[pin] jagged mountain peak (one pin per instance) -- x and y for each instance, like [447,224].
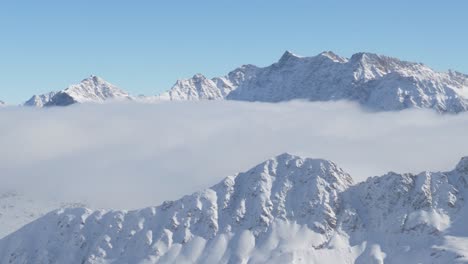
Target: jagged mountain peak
[364,55]
[199,77]
[313,167]
[385,64]
[371,57]
[201,88]
[246,67]
[40,100]
[333,56]
[94,84]
[94,79]
[93,89]
[197,88]
[195,79]
[287,57]
[462,165]
[289,54]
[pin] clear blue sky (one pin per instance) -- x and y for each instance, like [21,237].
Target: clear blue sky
[143,46]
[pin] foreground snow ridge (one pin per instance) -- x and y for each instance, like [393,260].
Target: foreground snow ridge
[287,209]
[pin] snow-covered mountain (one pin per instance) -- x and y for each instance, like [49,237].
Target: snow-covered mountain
[90,90]
[285,210]
[40,100]
[2,103]
[378,82]
[375,81]
[201,88]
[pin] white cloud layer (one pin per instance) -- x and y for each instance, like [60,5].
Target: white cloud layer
[136,155]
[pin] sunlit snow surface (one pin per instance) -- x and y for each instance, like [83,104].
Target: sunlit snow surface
[285,210]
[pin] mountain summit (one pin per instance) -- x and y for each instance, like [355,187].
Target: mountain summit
[90,90]
[285,210]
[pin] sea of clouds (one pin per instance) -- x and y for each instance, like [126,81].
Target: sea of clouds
[128,156]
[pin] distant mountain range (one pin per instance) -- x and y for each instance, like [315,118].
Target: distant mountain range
[285,210]
[377,82]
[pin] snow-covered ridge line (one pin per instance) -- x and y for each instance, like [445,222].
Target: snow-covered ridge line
[284,210]
[377,82]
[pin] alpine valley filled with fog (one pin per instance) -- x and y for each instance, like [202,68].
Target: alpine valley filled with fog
[109,158]
[233,132]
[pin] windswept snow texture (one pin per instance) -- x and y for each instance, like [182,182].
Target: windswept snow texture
[285,210]
[90,90]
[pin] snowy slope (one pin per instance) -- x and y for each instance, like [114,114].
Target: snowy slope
[375,81]
[287,209]
[90,90]
[201,88]
[18,209]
